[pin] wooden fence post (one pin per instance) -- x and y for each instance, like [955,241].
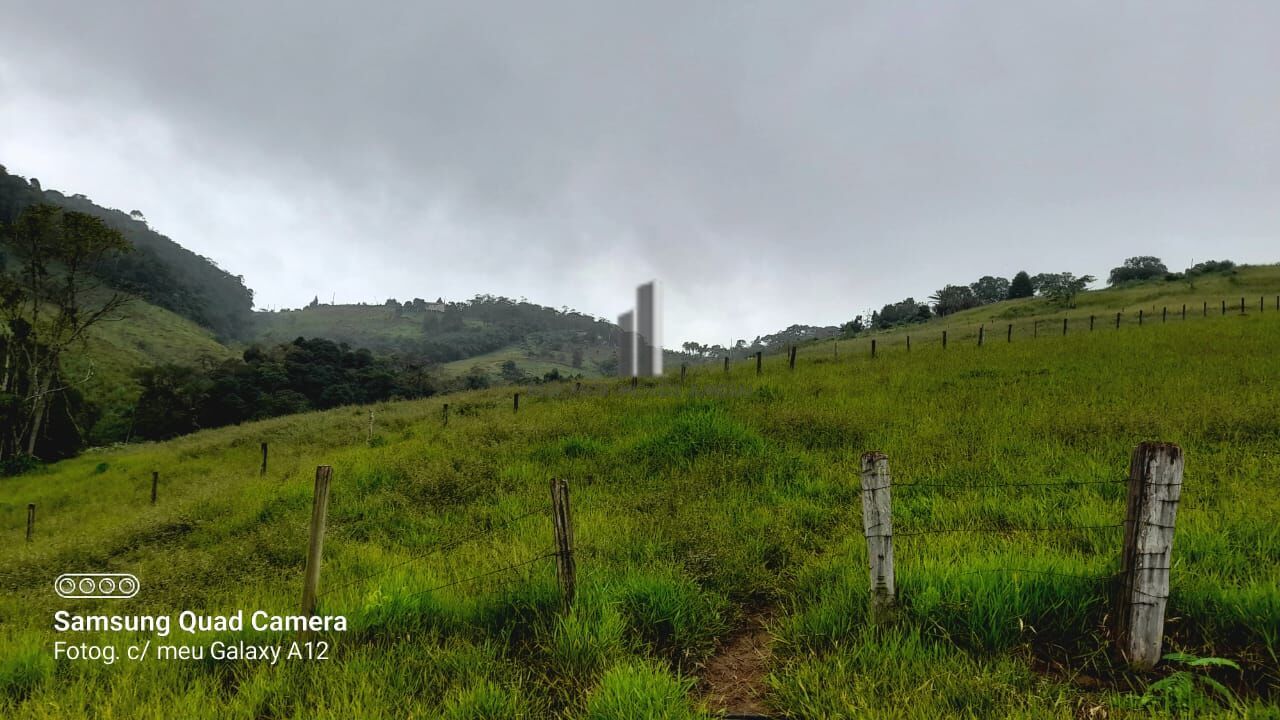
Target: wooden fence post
[31,520]
[1184,311]
[1204,311]
[1224,307]
[445,414]
[562,522]
[371,426]
[1164,314]
[319,511]
[791,361]
[908,343]
[1155,486]
[1117,321]
[1262,303]
[1090,323]
[726,363]
[1139,316]
[1064,326]
[981,332]
[155,482]
[263,471]
[515,402]
[1241,304]
[873,347]
[944,339]
[1008,335]
[759,361]
[877,526]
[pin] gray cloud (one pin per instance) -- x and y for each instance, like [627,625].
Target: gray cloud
[771,162]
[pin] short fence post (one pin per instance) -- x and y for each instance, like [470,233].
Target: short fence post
[908,343]
[1155,486]
[1262,304]
[562,521]
[1117,321]
[1064,326]
[877,526]
[759,362]
[577,387]
[981,332]
[445,414]
[319,511]
[1139,316]
[155,482]
[1090,323]
[1008,334]
[1164,314]
[1224,307]
[515,402]
[791,361]
[726,363]
[263,471]
[371,426]
[1241,304]
[944,339]
[31,520]
[1204,311]
[873,347]
[1184,311]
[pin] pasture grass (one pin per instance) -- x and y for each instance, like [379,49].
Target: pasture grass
[694,506]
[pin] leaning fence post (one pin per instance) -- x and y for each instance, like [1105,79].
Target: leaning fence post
[31,520]
[263,471]
[1155,485]
[877,526]
[759,361]
[562,522]
[319,510]
[155,481]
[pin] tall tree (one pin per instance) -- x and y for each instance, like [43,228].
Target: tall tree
[990,289]
[50,301]
[1141,267]
[1020,286]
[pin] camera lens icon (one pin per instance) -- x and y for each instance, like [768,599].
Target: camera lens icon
[98,586]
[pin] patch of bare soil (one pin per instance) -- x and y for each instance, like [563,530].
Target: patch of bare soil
[733,680]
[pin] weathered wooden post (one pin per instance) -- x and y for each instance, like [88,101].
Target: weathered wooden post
[1184,311]
[908,343]
[791,360]
[263,471]
[562,522]
[1139,316]
[877,526]
[155,482]
[1008,333]
[759,362]
[31,520]
[1090,323]
[873,347]
[726,363]
[515,402]
[370,426]
[315,546]
[445,414]
[1224,307]
[1064,326]
[981,332]
[1155,486]
[944,339]
[1164,314]
[1262,304]
[1117,321]
[1204,311]
[1241,304]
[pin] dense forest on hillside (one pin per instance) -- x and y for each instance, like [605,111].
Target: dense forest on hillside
[157,270]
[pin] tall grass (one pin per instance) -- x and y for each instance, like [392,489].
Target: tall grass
[694,505]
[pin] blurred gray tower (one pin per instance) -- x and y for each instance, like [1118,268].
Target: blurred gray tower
[649,329]
[627,344]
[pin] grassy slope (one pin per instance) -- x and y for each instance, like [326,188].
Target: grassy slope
[692,507]
[148,335]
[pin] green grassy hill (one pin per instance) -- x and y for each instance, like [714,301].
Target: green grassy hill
[147,335]
[699,509]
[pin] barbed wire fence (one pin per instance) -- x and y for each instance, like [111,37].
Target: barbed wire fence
[1154,490]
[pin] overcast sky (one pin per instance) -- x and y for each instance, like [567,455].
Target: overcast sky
[771,163]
